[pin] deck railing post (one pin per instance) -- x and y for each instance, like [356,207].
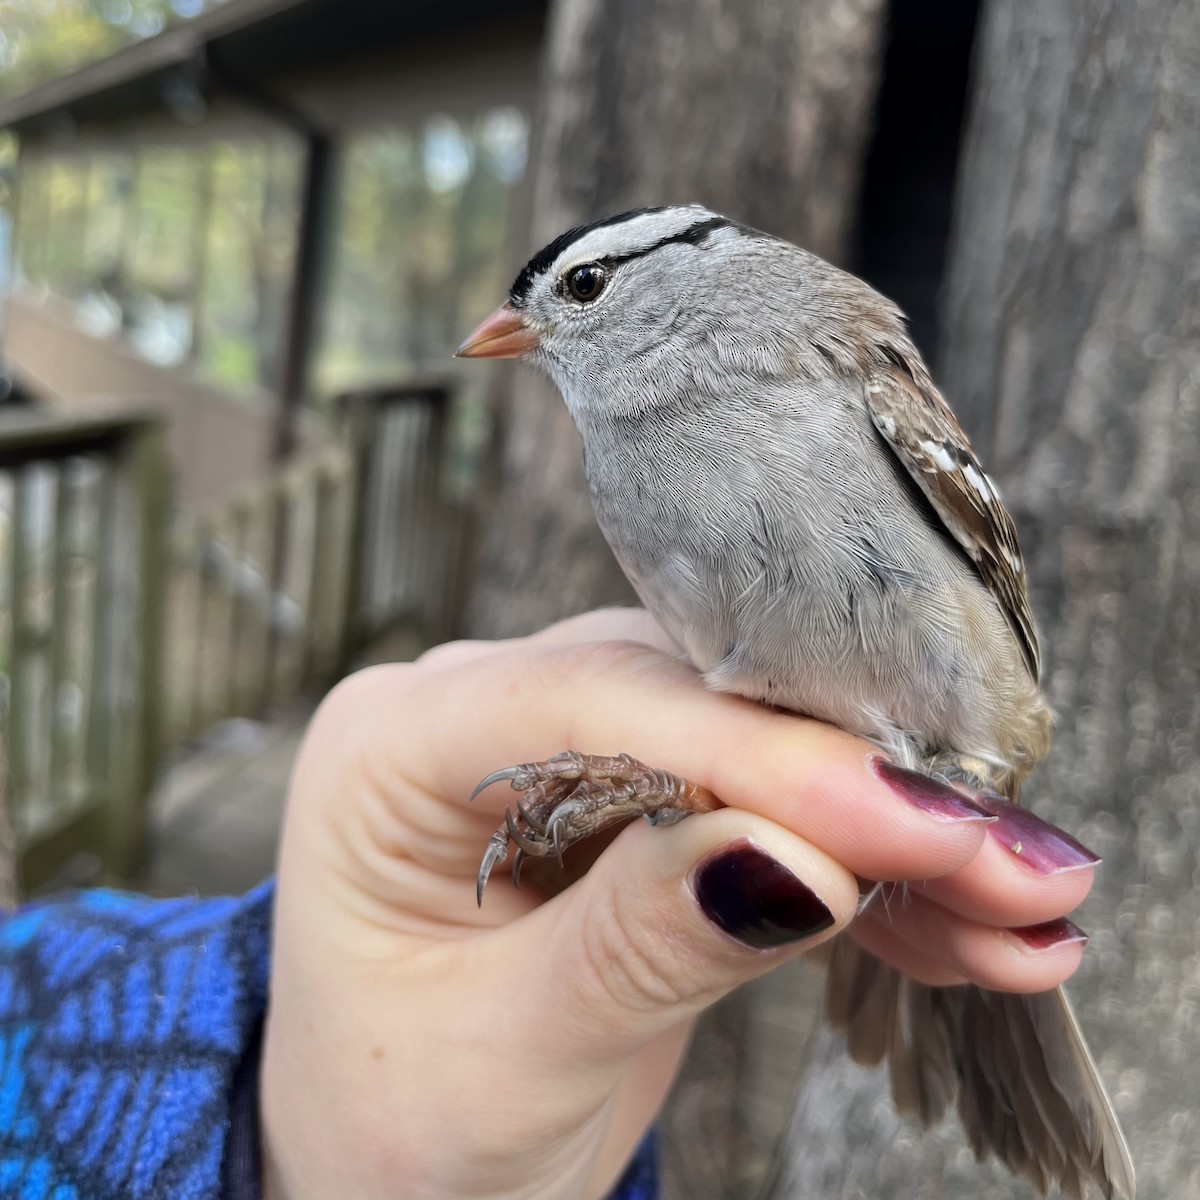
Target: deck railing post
[359,425]
[87,561]
[145,467]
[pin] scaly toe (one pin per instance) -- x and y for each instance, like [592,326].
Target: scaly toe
[531,818]
[532,848]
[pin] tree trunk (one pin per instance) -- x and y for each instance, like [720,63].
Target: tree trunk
[1072,352]
[759,111]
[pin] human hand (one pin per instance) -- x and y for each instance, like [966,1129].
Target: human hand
[419,1046]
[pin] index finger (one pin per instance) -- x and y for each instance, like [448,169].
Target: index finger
[530,701]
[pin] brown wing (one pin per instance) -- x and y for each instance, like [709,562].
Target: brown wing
[918,425]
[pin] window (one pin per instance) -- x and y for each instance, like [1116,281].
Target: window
[7,159]
[184,253]
[250,246]
[420,244]
[187,252]
[162,258]
[52,213]
[106,232]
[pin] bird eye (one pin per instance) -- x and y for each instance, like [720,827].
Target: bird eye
[587,282]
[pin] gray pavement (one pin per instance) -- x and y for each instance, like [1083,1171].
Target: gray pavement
[216,815]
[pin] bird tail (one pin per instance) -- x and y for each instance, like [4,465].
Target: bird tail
[1026,1087]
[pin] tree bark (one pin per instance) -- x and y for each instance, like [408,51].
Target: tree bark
[759,111]
[1072,352]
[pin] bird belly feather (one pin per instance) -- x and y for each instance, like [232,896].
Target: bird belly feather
[813,598]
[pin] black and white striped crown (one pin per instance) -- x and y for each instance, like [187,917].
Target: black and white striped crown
[618,238]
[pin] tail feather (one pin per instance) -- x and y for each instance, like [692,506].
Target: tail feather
[1026,1087]
[921,1053]
[861,995]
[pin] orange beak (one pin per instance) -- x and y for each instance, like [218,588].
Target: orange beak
[503,335]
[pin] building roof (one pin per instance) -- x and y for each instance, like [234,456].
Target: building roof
[241,40]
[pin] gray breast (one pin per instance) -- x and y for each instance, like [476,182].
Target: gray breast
[782,552]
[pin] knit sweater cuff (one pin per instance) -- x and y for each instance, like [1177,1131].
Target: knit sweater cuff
[122,1023]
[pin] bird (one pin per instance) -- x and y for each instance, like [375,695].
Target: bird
[795,502]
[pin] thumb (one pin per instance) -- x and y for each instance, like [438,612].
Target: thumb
[668,921]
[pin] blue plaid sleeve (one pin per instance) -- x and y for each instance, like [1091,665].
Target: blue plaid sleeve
[640,1181]
[123,1021]
[129,1040]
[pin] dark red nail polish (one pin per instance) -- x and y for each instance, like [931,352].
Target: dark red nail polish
[1051,934]
[929,795]
[1043,848]
[756,899]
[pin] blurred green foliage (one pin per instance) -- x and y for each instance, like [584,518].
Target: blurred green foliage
[420,251]
[41,39]
[186,251]
[183,252]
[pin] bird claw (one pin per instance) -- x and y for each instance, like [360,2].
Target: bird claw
[496,852]
[556,836]
[495,777]
[570,796]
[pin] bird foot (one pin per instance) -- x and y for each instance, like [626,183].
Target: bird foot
[571,796]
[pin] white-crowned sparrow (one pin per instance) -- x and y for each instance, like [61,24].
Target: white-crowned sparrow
[797,505]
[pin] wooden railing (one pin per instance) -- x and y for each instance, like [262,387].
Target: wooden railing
[409,532]
[83,504]
[128,628]
[257,594]
[278,591]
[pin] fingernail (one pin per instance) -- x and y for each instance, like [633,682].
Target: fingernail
[756,899]
[929,795]
[1051,934]
[1043,848]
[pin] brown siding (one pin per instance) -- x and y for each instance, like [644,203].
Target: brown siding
[217,441]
